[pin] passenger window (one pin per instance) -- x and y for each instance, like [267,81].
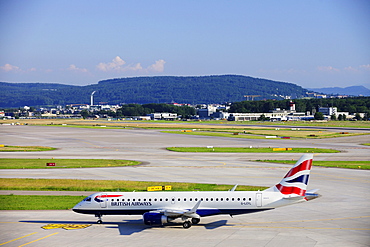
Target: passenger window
[211,199]
[138,200]
[221,199]
[150,199]
[232,199]
[155,199]
[243,199]
[166,199]
[179,199]
[184,199]
[133,200]
[144,199]
[227,199]
[191,199]
[238,199]
[128,200]
[160,199]
[250,199]
[207,199]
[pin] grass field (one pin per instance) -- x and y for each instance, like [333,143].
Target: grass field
[62,163]
[6,148]
[262,133]
[23,202]
[362,165]
[182,124]
[250,150]
[107,185]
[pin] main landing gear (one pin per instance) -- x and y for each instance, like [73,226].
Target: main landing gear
[187,224]
[99,221]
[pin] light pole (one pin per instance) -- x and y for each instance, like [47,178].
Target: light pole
[92,99]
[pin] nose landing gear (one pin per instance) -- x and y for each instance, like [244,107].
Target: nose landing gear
[99,221]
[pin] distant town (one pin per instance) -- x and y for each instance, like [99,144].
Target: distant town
[193,112]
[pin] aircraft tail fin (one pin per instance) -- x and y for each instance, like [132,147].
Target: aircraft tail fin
[295,181]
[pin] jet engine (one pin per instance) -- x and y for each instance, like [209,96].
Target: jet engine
[155,219]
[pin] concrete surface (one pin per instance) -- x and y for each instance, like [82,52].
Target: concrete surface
[341,217]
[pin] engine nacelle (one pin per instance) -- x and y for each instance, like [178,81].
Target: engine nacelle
[155,219]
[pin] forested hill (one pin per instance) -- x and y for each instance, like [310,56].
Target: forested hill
[160,89]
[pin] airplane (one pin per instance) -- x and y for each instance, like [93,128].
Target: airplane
[159,208]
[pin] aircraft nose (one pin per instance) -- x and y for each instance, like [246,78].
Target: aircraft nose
[77,206]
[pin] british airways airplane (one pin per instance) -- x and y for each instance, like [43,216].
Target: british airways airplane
[159,208]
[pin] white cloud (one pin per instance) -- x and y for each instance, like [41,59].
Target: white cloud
[73,67]
[351,69]
[8,67]
[365,66]
[328,69]
[158,66]
[136,67]
[118,65]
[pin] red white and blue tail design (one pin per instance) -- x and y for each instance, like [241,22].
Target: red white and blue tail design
[296,180]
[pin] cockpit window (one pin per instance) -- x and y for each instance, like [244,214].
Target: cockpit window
[87,199]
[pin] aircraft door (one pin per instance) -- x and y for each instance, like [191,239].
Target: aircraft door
[259,199]
[103,202]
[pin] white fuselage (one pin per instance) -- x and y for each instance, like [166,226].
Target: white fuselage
[212,202]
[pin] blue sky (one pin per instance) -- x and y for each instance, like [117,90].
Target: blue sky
[314,43]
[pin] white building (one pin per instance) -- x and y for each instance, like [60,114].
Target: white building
[328,111]
[163,116]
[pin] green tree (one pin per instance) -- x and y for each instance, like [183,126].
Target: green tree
[319,116]
[333,117]
[263,118]
[357,116]
[85,114]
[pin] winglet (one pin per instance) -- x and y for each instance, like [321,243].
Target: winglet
[196,206]
[234,188]
[192,213]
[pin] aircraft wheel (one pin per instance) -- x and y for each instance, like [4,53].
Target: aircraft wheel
[195,221]
[99,221]
[186,224]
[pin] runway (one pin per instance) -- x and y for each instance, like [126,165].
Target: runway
[341,217]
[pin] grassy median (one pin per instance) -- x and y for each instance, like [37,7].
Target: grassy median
[6,148]
[63,163]
[251,150]
[24,202]
[362,165]
[107,185]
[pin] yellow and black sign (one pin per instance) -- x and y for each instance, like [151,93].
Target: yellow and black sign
[282,149]
[65,226]
[159,188]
